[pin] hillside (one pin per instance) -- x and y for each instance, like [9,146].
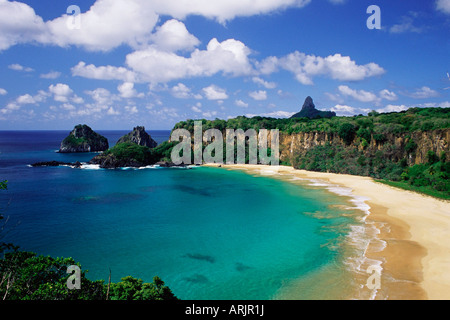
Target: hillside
[410,147]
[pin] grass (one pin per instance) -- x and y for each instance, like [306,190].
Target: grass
[426,190]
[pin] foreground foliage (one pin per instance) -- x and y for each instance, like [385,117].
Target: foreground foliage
[28,276]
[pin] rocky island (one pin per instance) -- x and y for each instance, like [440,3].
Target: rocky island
[83,139]
[135,149]
[140,137]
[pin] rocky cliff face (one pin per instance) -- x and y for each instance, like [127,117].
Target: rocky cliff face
[413,147]
[83,139]
[139,137]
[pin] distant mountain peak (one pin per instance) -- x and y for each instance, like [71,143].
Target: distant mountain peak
[309,111]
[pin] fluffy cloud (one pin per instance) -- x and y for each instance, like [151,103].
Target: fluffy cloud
[61,92]
[19,24]
[18,67]
[304,67]
[422,93]
[3,92]
[173,36]
[275,114]
[103,72]
[443,5]
[265,84]
[213,92]
[241,104]
[223,10]
[393,108]
[258,95]
[388,95]
[127,90]
[229,57]
[51,75]
[181,91]
[111,23]
[360,95]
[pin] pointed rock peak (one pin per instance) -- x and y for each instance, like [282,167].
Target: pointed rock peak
[140,137]
[309,104]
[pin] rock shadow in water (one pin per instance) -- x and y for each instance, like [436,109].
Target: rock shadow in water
[201,257]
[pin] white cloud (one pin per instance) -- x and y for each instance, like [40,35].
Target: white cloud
[51,75]
[61,92]
[265,84]
[258,95]
[127,90]
[344,110]
[213,92]
[18,67]
[443,5]
[393,108]
[108,24]
[3,92]
[131,109]
[209,114]
[275,114]
[173,36]
[18,24]
[423,93]
[360,95]
[229,57]
[406,25]
[103,72]
[304,67]
[181,91]
[388,95]
[112,112]
[197,108]
[241,104]
[224,10]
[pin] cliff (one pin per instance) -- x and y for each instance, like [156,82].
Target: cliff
[414,147]
[83,139]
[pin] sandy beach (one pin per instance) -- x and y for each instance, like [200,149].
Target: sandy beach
[414,228]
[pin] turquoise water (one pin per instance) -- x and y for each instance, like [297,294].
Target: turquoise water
[209,233]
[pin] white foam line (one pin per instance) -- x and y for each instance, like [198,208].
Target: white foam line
[358,234]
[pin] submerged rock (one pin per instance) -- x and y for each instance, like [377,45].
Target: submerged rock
[83,139]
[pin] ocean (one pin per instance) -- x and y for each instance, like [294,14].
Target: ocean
[209,233]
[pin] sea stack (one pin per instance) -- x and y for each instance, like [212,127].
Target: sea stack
[309,111]
[83,139]
[139,137]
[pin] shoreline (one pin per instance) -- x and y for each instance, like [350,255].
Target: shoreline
[413,228]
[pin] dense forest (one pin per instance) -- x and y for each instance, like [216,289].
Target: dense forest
[408,149]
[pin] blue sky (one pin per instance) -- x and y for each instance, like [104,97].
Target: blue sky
[122,63]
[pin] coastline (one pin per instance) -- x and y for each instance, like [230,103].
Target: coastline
[412,228]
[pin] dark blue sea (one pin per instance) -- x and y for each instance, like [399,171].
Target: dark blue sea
[209,233]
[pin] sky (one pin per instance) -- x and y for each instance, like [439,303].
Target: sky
[117,64]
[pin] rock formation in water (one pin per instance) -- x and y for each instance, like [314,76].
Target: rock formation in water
[83,139]
[309,111]
[139,137]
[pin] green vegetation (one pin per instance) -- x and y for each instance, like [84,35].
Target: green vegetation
[27,276]
[145,155]
[414,119]
[74,141]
